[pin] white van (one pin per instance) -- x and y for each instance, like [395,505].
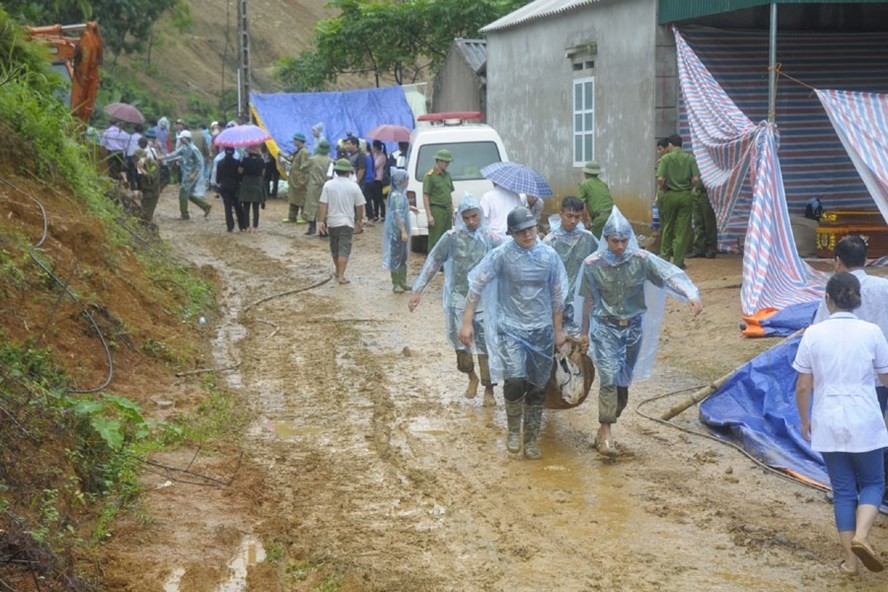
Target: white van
[473,147]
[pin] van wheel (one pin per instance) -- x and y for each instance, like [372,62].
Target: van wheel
[419,244]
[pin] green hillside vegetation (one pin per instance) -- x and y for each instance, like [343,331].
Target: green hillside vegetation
[95,314]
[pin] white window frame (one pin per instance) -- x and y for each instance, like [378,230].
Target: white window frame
[580,111]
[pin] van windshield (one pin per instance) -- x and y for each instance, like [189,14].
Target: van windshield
[468,159]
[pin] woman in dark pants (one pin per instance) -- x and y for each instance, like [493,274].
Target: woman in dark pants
[228,178]
[252,192]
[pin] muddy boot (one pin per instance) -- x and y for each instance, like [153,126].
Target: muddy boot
[514,411]
[312,228]
[402,278]
[533,417]
[396,283]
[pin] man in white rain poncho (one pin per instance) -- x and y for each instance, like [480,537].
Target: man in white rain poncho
[621,314]
[573,243]
[523,286]
[459,250]
[396,233]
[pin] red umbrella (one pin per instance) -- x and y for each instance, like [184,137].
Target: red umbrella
[242,135]
[390,132]
[124,112]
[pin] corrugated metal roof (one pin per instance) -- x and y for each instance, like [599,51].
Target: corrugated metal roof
[669,11]
[535,10]
[474,51]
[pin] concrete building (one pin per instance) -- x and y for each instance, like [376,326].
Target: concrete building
[576,80]
[461,85]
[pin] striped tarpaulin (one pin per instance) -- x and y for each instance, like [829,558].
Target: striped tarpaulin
[730,150]
[861,122]
[813,160]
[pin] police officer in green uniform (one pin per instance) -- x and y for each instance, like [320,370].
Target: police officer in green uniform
[705,228]
[594,193]
[437,188]
[677,174]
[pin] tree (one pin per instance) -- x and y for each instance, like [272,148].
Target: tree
[400,39]
[126,24]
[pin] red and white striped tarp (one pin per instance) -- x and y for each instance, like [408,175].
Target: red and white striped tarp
[730,149]
[861,122]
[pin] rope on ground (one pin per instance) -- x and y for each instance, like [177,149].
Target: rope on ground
[269,323]
[287,293]
[713,438]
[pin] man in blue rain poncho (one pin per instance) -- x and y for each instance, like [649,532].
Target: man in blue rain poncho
[523,286]
[573,243]
[621,314]
[459,250]
[396,233]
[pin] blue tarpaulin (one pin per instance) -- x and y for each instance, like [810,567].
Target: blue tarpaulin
[756,409]
[355,111]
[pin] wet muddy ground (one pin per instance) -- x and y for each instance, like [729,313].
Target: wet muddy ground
[367,469]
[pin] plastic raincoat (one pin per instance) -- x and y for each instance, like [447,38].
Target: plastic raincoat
[627,295]
[319,127]
[394,249]
[458,251]
[193,168]
[520,289]
[573,247]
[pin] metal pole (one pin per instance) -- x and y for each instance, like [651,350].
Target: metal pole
[243,35]
[772,65]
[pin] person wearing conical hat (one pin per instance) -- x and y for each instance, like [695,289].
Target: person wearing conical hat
[437,191]
[620,318]
[595,194]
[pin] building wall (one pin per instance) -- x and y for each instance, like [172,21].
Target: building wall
[529,95]
[457,87]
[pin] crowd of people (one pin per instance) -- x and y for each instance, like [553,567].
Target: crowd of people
[512,297]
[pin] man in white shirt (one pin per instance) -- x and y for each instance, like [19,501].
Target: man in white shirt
[495,207]
[341,214]
[115,140]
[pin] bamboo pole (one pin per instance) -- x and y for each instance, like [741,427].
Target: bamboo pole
[713,386]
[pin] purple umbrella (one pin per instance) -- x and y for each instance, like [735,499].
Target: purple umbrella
[390,132]
[124,112]
[242,135]
[517,177]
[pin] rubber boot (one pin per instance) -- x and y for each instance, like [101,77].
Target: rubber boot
[533,417]
[514,411]
[396,283]
[402,278]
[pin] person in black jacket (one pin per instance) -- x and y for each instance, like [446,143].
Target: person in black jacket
[228,179]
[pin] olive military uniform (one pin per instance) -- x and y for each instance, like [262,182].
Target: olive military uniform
[678,168]
[596,195]
[438,186]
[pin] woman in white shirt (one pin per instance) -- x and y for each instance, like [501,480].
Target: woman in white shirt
[837,359]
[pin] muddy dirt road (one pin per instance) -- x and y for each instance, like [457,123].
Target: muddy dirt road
[369,470]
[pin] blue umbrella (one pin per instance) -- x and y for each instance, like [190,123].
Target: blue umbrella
[517,177]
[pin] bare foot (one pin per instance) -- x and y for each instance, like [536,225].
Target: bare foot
[472,389]
[489,400]
[343,280]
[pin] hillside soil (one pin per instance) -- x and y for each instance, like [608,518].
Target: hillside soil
[367,469]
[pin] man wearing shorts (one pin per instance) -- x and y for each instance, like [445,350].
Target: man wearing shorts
[341,214]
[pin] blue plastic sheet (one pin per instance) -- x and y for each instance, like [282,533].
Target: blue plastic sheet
[787,321]
[756,410]
[355,111]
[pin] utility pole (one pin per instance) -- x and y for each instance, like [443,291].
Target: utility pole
[243,73]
